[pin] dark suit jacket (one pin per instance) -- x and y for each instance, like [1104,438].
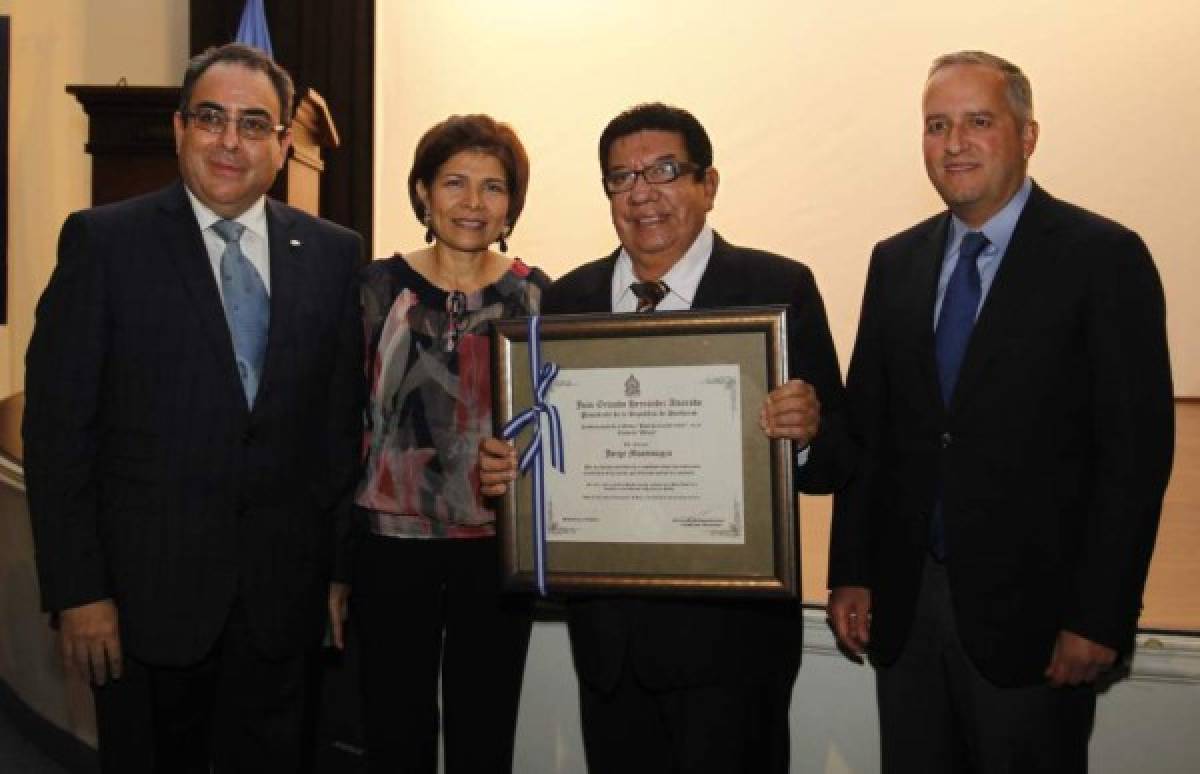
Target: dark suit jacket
[675,643]
[149,480]
[1052,458]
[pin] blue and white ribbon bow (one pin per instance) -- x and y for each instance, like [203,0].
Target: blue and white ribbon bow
[542,376]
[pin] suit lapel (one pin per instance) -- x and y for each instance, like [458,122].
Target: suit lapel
[598,295]
[287,250]
[1018,273]
[184,249]
[927,269]
[719,285]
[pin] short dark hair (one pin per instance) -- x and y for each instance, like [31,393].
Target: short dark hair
[660,117]
[246,56]
[475,132]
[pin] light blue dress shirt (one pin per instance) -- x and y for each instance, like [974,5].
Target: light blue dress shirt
[998,230]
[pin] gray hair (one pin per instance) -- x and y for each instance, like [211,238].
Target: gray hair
[1020,92]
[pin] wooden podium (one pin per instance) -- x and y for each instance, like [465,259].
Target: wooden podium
[132,143]
[312,129]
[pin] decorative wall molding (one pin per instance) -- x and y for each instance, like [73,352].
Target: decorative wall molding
[1158,657]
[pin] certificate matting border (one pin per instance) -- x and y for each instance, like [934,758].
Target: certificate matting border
[754,338]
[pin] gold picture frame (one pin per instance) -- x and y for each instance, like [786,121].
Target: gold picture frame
[751,340]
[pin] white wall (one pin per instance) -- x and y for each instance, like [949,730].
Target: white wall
[1143,724]
[30,661]
[55,43]
[813,108]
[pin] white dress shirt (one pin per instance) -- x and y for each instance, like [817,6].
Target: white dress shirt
[682,279]
[254,242]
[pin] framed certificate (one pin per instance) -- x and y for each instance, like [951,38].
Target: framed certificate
[644,468]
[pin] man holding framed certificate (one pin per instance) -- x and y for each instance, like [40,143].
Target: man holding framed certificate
[676,683]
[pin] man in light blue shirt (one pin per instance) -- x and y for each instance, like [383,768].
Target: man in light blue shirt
[1011,393]
[998,230]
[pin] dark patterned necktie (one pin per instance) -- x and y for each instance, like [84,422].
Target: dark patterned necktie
[649,294]
[247,307]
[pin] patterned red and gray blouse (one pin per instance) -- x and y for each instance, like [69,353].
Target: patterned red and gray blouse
[430,398]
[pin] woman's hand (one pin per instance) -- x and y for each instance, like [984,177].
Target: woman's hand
[339,604]
[497,466]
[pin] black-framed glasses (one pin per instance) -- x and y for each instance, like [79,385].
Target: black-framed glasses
[658,173]
[250,126]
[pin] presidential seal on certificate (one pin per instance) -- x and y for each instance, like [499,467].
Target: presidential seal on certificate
[643,466]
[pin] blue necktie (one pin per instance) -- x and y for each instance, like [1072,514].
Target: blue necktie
[247,307]
[955,321]
[957,318]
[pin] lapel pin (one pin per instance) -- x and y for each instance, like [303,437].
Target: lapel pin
[294,243]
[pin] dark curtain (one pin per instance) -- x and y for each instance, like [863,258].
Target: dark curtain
[328,45]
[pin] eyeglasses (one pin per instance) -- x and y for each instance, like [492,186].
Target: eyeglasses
[658,173]
[250,126]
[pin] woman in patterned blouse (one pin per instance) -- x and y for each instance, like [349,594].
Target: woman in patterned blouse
[425,580]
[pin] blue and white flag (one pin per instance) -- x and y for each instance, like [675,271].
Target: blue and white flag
[252,29]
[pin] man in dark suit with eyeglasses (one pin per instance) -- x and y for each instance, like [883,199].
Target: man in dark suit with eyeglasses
[193,391]
[692,685]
